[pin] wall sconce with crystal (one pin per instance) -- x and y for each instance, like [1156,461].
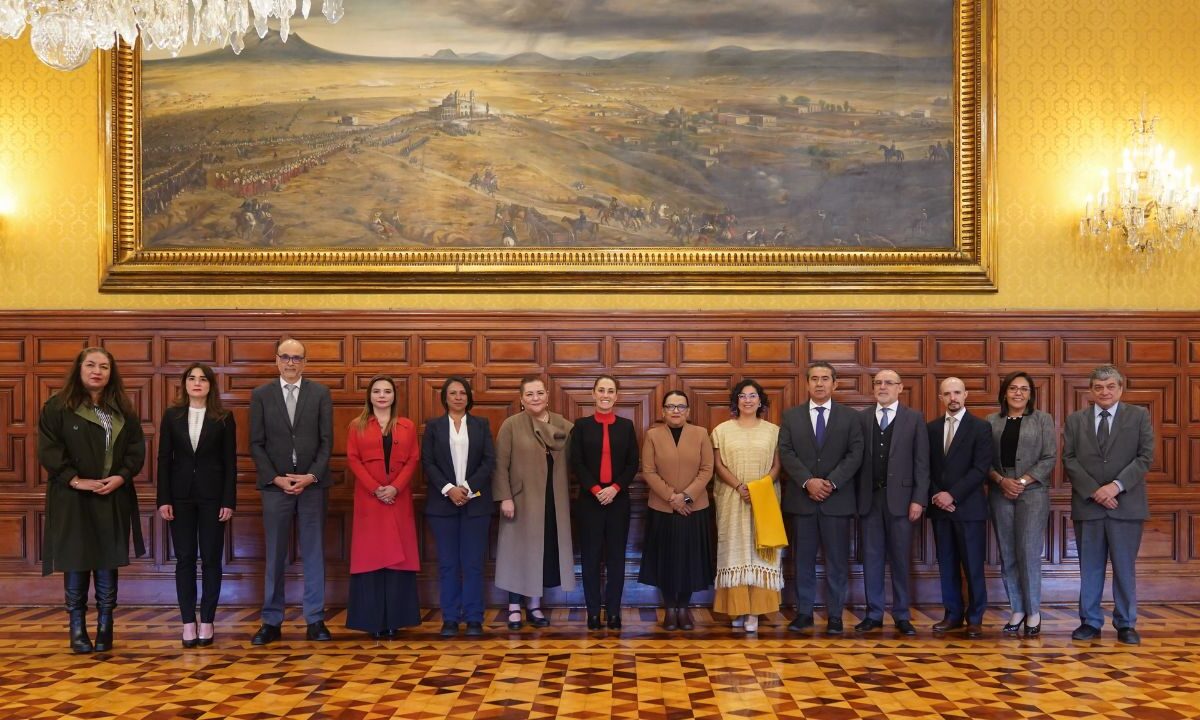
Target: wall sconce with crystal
[1154,206]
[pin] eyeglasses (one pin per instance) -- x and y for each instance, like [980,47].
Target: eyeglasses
[1019,389]
[747,396]
[291,359]
[881,383]
[675,408]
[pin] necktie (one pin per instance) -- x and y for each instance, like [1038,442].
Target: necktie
[1102,431]
[883,421]
[950,420]
[820,429]
[290,401]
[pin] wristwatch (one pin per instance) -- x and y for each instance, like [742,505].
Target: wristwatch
[687,499]
[1022,481]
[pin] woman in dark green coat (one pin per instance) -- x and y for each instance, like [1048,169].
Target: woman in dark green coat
[90,441]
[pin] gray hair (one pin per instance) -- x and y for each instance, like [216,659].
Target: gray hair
[1106,372]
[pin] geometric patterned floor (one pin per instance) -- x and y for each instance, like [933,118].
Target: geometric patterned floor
[565,672]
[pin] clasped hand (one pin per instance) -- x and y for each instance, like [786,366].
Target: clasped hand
[1106,496]
[1011,487]
[679,504]
[100,487]
[294,483]
[386,494]
[819,489]
[943,501]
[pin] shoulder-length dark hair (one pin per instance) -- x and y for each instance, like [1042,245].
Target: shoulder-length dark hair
[73,393]
[764,404]
[368,414]
[1008,380]
[215,410]
[466,386]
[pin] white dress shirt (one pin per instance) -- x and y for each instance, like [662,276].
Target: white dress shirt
[195,424]
[459,446]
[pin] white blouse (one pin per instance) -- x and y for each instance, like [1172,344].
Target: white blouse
[195,424]
[459,445]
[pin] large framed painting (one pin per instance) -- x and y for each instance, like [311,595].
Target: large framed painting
[510,145]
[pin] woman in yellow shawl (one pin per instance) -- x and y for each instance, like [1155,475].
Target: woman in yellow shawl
[748,581]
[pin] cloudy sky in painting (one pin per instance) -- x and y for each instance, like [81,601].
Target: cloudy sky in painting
[608,28]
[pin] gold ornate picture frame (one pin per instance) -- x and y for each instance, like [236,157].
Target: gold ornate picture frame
[740,260]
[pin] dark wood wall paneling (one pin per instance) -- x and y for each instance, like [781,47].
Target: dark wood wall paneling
[651,353]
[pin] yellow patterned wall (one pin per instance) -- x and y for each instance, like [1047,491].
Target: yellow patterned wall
[1069,73]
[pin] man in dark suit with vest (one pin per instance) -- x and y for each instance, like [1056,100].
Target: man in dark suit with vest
[820,448]
[291,438]
[960,451]
[1109,446]
[893,489]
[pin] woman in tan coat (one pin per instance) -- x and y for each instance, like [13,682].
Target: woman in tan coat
[677,464]
[533,548]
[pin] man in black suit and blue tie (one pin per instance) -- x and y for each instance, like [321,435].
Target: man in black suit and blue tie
[820,448]
[291,438]
[960,450]
[1109,446]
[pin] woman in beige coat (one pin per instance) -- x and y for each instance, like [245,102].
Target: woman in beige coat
[533,548]
[677,464]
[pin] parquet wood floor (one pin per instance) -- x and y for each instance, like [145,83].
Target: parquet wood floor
[563,671]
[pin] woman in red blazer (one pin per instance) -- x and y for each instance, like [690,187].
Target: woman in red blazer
[382,452]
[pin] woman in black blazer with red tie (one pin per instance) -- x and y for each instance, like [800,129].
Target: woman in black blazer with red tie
[604,458]
[197,492]
[458,457]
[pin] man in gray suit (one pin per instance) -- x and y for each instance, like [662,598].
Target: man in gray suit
[291,437]
[1109,446]
[893,488]
[820,448]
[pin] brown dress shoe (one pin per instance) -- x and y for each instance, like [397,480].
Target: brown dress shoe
[974,631]
[946,624]
[670,619]
[685,619]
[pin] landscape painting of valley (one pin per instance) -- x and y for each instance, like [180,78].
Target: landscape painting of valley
[515,124]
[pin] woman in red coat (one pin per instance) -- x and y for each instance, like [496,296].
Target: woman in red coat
[382,452]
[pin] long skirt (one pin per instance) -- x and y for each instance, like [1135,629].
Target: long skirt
[383,600]
[679,556]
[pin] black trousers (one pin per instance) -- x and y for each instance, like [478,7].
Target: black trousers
[603,533]
[196,528]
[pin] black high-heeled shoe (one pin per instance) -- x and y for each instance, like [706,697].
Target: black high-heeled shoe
[515,625]
[202,641]
[593,622]
[1014,628]
[1033,630]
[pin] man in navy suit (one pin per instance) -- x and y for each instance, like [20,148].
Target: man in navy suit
[820,448]
[291,438]
[960,451]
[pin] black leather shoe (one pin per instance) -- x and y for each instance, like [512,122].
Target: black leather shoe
[905,627]
[868,625]
[1085,632]
[594,622]
[514,625]
[474,629]
[834,626]
[202,641]
[538,621]
[1033,630]
[947,624]
[189,644]
[318,631]
[684,615]
[802,622]
[80,642]
[975,631]
[449,629]
[1128,636]
[266,634]
[104,631]
[1013,628]
[670,619]
[614,621]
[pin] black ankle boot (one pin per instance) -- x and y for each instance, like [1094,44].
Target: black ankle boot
[106,600]
[75,585]
[80,642]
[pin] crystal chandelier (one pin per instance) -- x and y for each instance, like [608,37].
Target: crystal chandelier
[1155,208]
[63,33]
